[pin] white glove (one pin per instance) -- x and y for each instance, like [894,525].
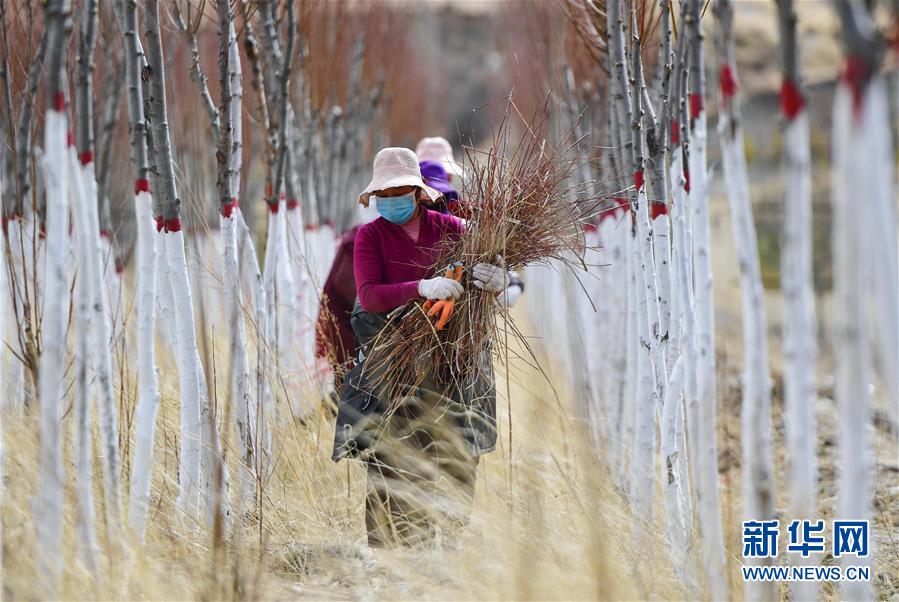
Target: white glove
[439,288]
[509,296]
[491,278]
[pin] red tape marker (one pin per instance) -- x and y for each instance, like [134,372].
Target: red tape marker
[141,185]
[228,208]
[856,75]
[86,158]
[638,180]
[292,204]
[173,224]
[59,101]
[727,81]
[696,105]
[687,180]
[791,101]
[675,131]
[658,208]
[273,208]
[160,222]
[104,233]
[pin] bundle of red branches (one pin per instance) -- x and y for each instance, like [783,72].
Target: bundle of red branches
[524,207]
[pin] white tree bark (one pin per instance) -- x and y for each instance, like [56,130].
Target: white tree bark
[240,373]
[86,535]
[758,502]
[148,388]
[190,472]
[49,505]
[260,415]
[707,448]
[14,396]
[800,348]
[87,224]
[857,158]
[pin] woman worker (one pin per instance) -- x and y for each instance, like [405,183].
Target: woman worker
[422,463]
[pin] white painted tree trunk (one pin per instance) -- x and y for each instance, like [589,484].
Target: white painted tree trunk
[49,503]
[87,227]
[261,412]
[86,535]
[642,471]
[854,176]
[758,502]
[800,348]
[14,395]
[190,473]
[279,291]
[661,246]
[682,339]
[613,231]
[884,251]
[707,448]
[304,293]
[147,384]
[632,347]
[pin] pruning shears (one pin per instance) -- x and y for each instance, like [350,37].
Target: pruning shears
[443,309]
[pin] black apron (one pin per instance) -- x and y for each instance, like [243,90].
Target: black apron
[360,414]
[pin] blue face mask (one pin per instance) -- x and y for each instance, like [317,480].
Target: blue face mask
[397,209]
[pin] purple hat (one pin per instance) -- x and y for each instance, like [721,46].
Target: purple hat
[434,176]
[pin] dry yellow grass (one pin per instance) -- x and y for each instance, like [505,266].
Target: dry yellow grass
[547,524]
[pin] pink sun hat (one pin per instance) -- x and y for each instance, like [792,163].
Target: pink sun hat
[439,149]
[395,167]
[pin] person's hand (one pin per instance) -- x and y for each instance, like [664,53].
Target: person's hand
[439,288]
[491,278]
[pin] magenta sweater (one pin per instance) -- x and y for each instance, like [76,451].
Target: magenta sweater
[388,264]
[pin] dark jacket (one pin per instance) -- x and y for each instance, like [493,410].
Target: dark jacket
[334,338]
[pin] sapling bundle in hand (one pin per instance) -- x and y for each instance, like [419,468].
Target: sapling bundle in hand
[523,210]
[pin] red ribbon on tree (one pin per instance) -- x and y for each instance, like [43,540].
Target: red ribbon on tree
[791,101]
[856,75]
[727,81]
[141,185]
[638,180]
[656,209]
[687,180]
[104,233]
[292,204]
[675,131]
[273,208]
[59,101]
[228,208]
[170,224]
[87,157]
[696,105]
[119,268]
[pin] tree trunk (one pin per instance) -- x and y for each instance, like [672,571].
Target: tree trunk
[49,506]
